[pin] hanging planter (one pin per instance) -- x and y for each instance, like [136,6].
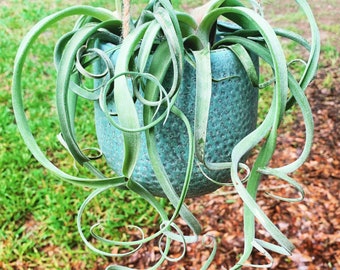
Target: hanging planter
[175,104]
[231,88]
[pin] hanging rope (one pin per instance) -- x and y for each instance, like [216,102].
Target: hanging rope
[126,17]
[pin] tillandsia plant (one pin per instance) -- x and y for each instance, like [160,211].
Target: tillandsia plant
[175,101]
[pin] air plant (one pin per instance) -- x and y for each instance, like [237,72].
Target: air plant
[136,82]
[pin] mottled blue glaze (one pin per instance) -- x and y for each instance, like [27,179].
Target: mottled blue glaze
[233,115]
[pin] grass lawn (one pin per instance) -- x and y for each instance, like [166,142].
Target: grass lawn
[37,210]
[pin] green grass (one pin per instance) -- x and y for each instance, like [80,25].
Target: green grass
[37,210]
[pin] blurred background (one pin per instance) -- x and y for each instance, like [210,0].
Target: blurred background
[37,210]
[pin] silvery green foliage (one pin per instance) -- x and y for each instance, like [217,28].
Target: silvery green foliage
[162,39]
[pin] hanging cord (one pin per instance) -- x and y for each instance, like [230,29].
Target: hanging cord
[126,17]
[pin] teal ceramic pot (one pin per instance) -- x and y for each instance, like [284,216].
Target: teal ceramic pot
[233,115]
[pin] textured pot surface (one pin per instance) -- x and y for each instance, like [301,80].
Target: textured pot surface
[233,115]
